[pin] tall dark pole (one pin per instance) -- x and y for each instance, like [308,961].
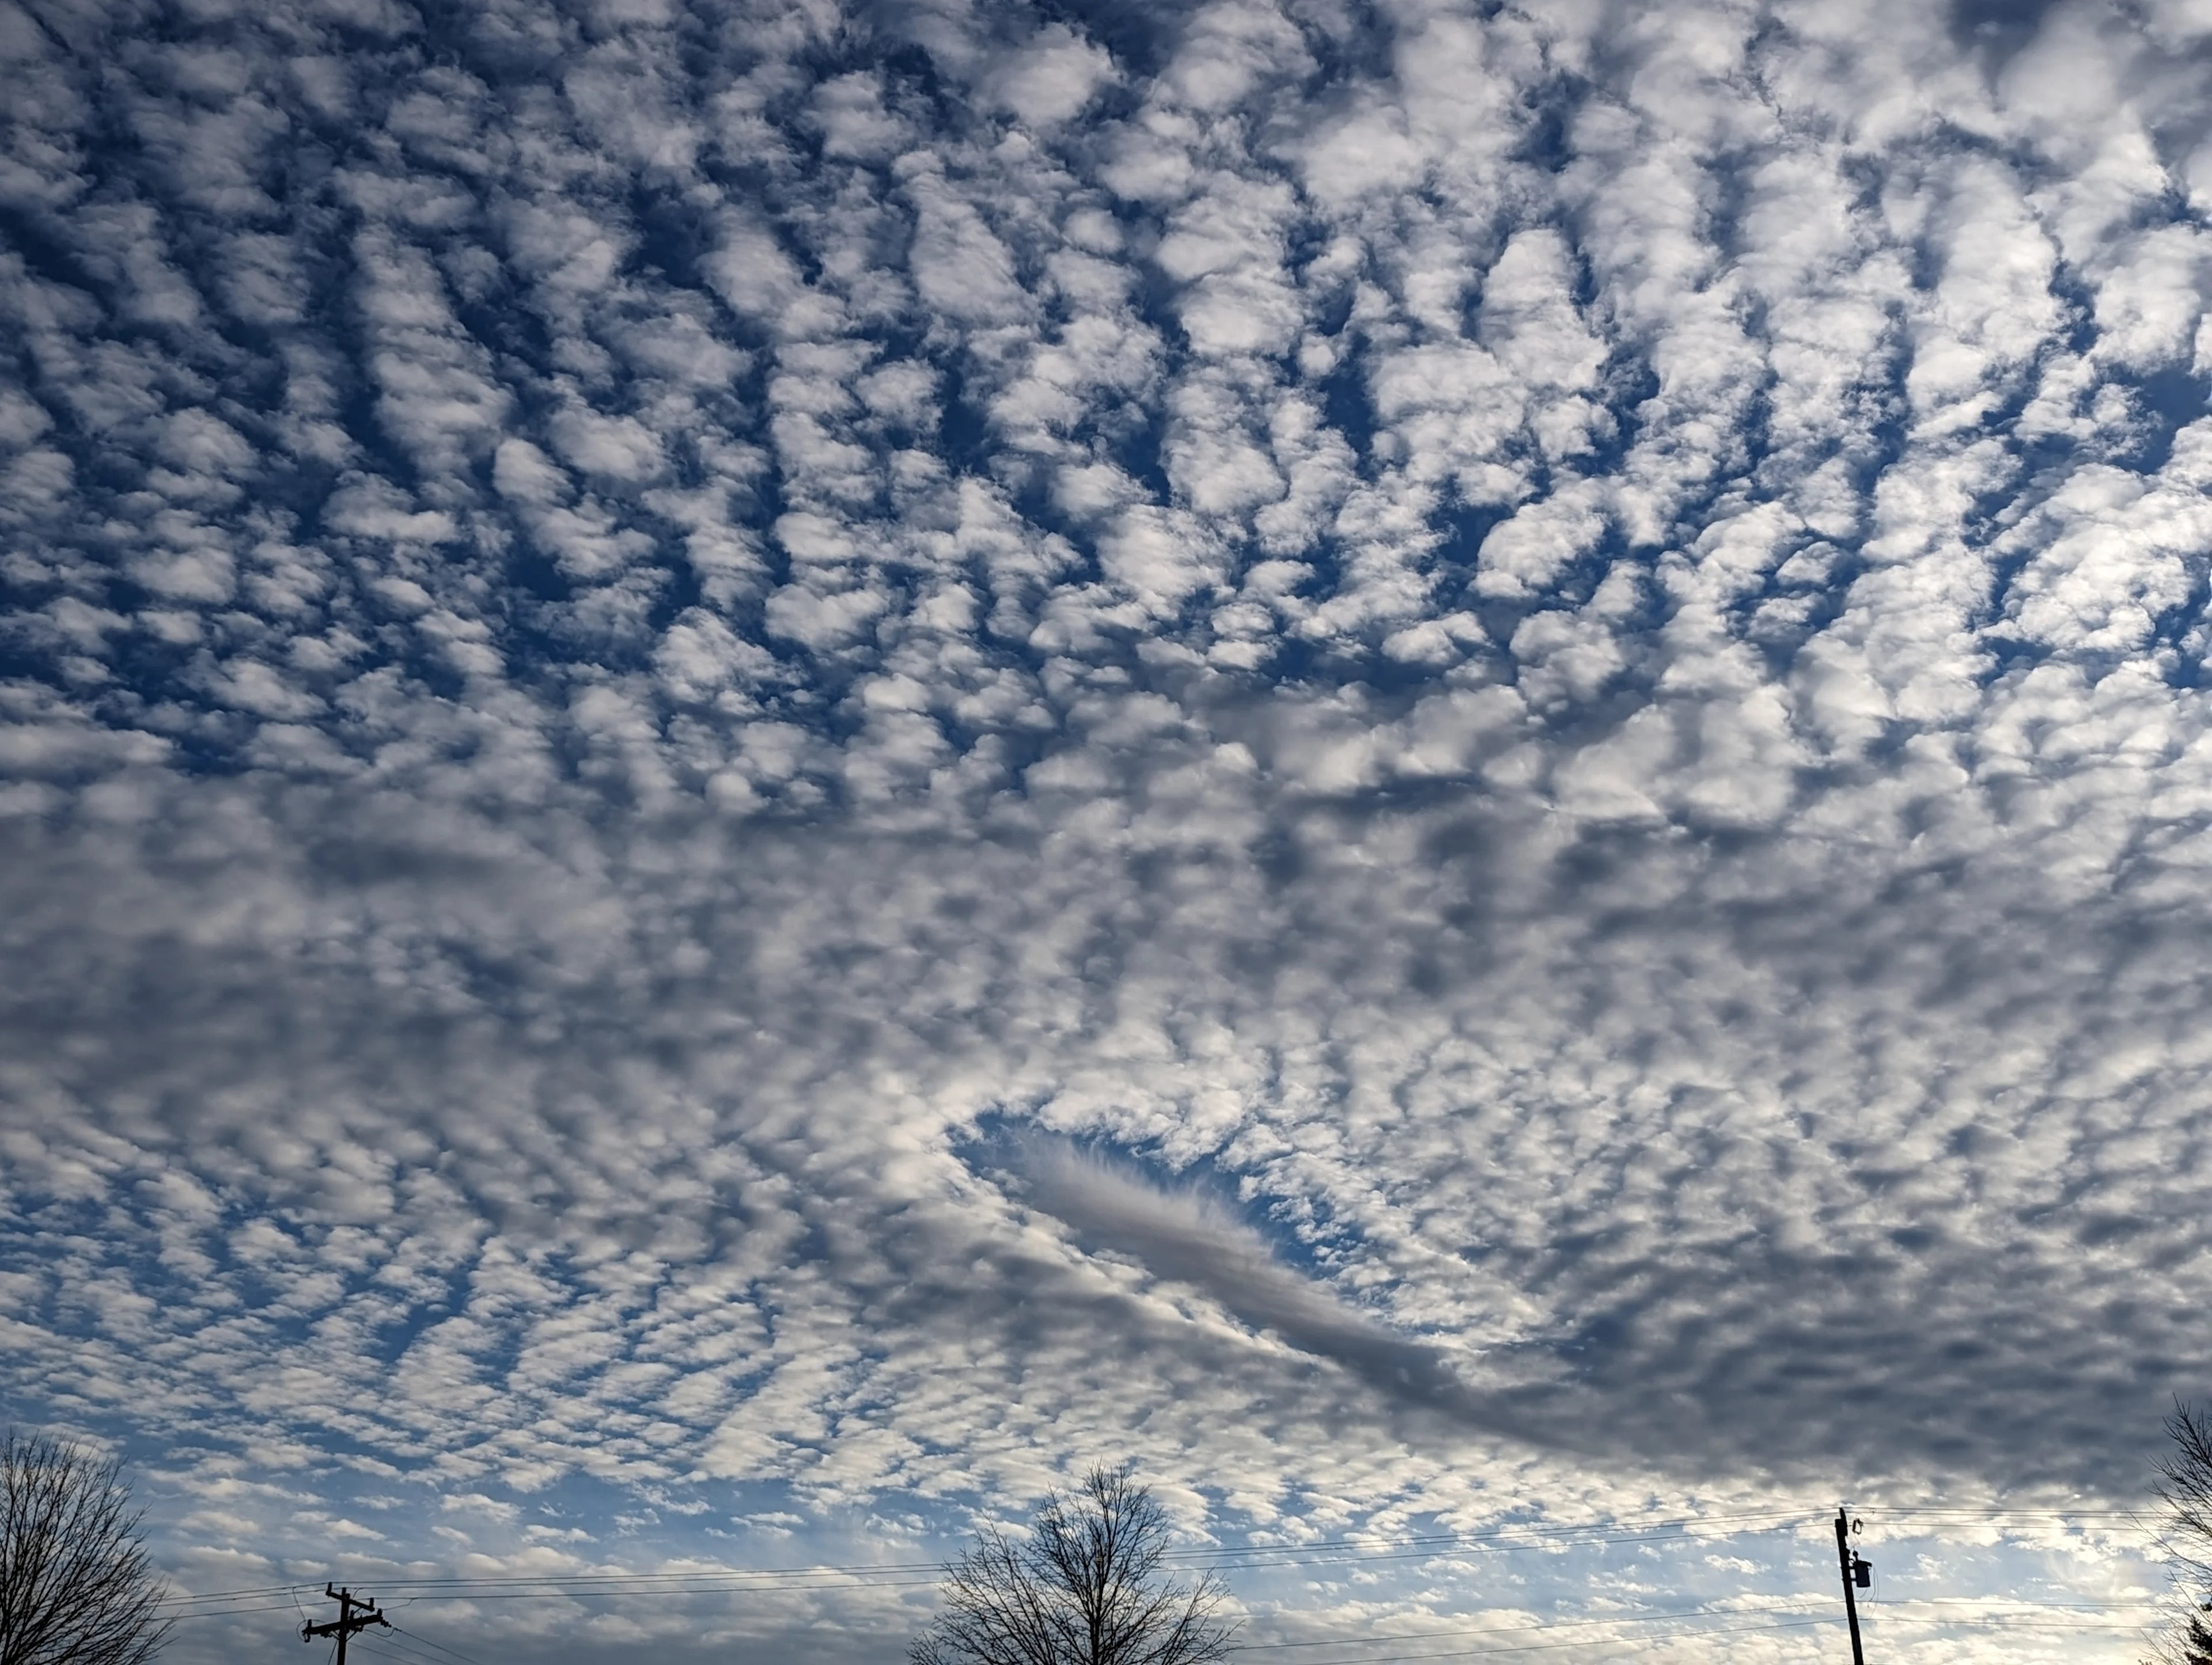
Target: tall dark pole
[345,1624]
[1843,1559]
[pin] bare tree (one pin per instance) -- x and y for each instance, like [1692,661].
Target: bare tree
[2191,1642]
[1084,1588]
[2184,1487]
[75,1585]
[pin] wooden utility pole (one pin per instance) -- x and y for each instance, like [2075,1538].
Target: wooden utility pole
[345,1624]
[1857,1576]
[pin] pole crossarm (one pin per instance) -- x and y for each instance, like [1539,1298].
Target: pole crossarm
[347,1622]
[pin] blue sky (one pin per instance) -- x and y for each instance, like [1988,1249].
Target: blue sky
[767,769]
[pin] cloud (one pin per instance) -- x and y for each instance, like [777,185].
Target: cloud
[1563,651]
[1051,80]
[1179,1237]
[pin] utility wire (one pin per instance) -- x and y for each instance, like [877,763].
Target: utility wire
[2083,1623]
[1598,1641]
[1774,1518]
[1357,1548]
[407,1650]
[1699,1613]
[450,1653]
[1519,1629]
[379,1649]
[1366,1547]
[228,1613]
[1690,1634]
[929,1572]
[1508,1535]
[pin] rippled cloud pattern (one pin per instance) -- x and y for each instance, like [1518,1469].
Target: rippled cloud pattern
[1416,756]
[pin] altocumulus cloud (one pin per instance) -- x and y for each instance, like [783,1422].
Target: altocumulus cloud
[1561,644]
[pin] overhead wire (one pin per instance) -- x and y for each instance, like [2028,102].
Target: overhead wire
[386,1648]
[1773,1517]
[1360,1548]
[1891,1608]
[291,1592]
[406,1647]
[392,1637]
[1364,1546]
[1599,1642]
[1516,1630]
[429,1642]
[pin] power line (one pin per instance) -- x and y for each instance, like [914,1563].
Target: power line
[1984,1509]
[631,1594]
[1254,1558]
[1372,1544]
[1352,1549]
[2025,1616]
[1365,1547]
[228,1613]
[292,1590]
[412,1654]
[1504,1629]
[450,1652]
[1994,1622]
[1886,1608]
[1594,1641]
[1471,1653]
[1770,1518]
[1515,1630]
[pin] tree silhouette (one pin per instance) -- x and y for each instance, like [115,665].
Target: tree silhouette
[1084,1588]
[2184,1487]
[2192,1644]
[75,1585]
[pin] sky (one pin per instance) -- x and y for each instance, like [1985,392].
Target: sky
[769,767]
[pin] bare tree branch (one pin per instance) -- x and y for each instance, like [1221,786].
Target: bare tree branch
[2184,1487]
[1083,1589]
[76,1587]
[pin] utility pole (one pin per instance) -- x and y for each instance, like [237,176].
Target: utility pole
[345,1624]
[1858,1574]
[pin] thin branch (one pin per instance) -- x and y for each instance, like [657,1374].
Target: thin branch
[1083,1589]
[76,1587]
